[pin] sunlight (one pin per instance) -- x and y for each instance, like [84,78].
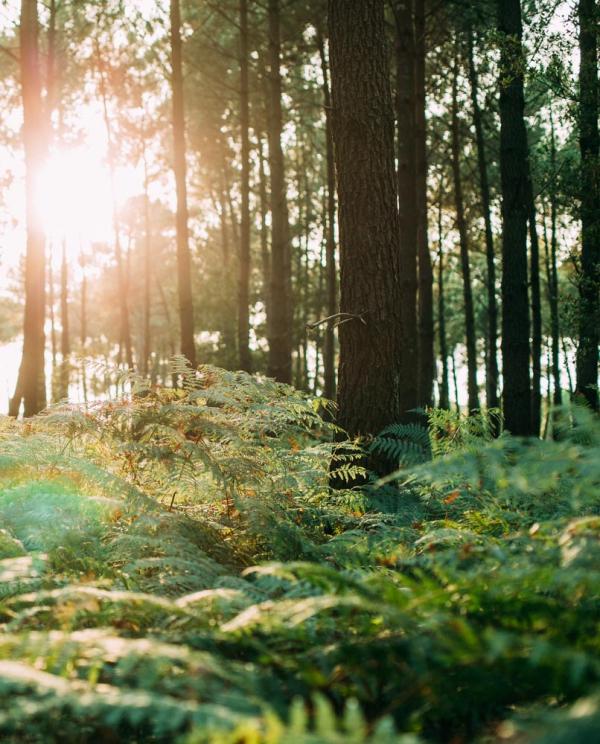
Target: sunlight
[75,197]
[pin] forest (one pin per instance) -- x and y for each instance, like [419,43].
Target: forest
[299,410]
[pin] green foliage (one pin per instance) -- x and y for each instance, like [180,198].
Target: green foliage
[174,567]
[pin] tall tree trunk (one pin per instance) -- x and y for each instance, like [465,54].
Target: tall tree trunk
[265,255]
[83,329]
[536,316]
[329,372]
[31,382]
[53,336]
[461,224]
[426,331]
[444,401]
[280,326]
[124,320]
[245,360]
[407,190]
[553,274]
[374,375]
[147,337]
[514,178]
[184,259]
[492,313]
[65,336]
[589,278]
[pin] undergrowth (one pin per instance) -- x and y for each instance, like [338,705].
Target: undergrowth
[175,568]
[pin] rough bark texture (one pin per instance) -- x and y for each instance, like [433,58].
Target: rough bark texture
[589,279]
[244,359]
[329,372]
[491,377]
[514,178]
[407,191]
[373,374]
[184,259]
[31,382]
[465,263]
[280,325]
[425,308]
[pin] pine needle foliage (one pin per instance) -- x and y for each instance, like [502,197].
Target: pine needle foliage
[175,568]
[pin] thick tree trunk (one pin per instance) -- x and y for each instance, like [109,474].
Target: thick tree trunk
[280,325]
[589,278]
[31,383]
[461,224]
[426,331]
[374,375]
[184,259]
[329,372]
[407,190]
[245,361]
[492,314]
[514,177]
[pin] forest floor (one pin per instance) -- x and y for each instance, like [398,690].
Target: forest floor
[174,568]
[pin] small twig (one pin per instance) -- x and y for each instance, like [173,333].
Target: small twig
[344,318]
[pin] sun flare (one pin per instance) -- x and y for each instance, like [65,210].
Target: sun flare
[75,197]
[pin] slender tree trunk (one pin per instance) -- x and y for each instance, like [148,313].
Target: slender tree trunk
[53,336]
[492,314]
[536,317]
[464,251]
[553,275]
[125,325]
[329,372]
[147,339]
[426,330]
[184,259]
[245,360]
[455,383]
[444,401]
[31,382]
[83,329]
[514,178]
[65,336]
[589,278]
[280,341]
[265,255]
[407,190]
[374,375]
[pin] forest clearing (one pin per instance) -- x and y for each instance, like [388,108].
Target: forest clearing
[299,328]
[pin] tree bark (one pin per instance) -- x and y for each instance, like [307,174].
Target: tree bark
[65,336]
[425,276]
[244,357]
[374,376]
[31,382]
[553,273]
[280,326]
[536,316]
[407,190]
[589,277]
[184,259]
[492,314]
[514,178]
[461,224]
[329,372]
[444,401]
